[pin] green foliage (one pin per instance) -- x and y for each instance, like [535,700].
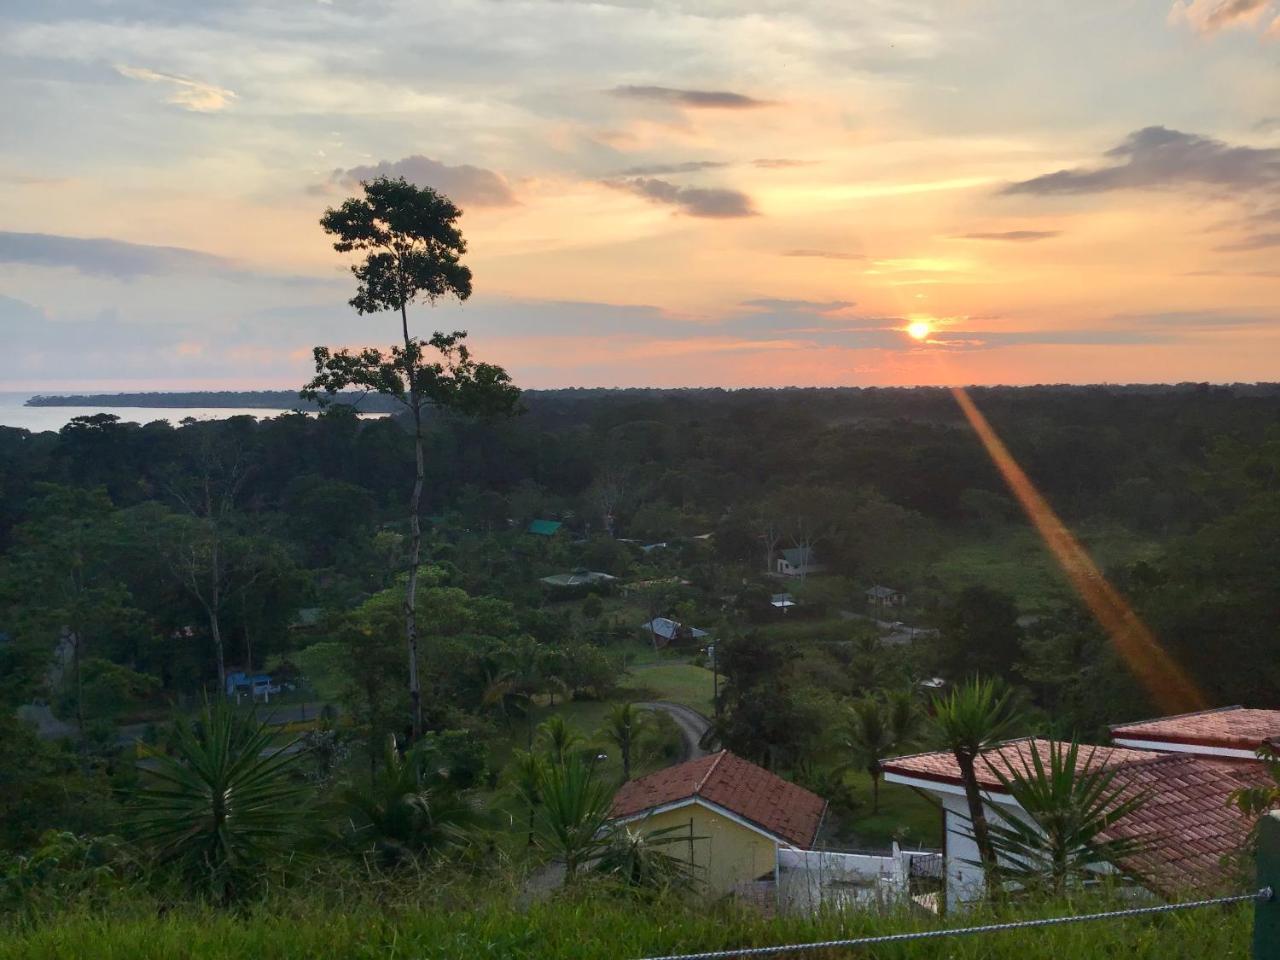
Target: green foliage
[650,860]
[877,728]
[623,729]
[980,634]
[411,808]
[62,868]
[972,717]
[573,812]
[1071,803]
[224,808]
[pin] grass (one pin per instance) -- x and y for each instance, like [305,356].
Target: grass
[904,815]
[438,920]
[682,683]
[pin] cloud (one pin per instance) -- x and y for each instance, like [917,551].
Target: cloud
[105,257]
[1193,319]
[779,163]
[697,99]
[1013,236]
[709,202]
[194,95]
[798,306]
[825,254]
[462,183]
[689,166]
[1157,157]
[1210,16]
[1258,241]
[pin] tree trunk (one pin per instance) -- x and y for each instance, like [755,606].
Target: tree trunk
[75,661]
[626,757]
[875,792]
[977,816]
[415,534]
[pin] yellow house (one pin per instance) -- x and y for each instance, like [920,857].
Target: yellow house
[738,816]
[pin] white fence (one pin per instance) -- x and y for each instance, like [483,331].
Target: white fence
[810,880]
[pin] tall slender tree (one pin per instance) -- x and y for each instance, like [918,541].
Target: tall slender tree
[412,251]
[972,718]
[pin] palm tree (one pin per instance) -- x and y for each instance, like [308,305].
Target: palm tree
[575,809]
[524,782]
[623,726]
[410,807]
[868,740]
[1072,804]
[557,739]
[906,719]
[971,718]
[223,805]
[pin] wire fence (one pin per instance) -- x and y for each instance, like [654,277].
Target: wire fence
[1263,895]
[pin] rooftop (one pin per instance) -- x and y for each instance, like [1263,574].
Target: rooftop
[778,807]
[941,767]
[1236,728]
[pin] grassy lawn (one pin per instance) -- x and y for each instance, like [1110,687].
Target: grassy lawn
[681,683]
[904,815]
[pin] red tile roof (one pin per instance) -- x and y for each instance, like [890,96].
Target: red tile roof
[1232,727]
[1186,821]
[1188,824]
[941,765]
[779,807]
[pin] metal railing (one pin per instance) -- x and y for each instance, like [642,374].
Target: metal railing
[1266,918]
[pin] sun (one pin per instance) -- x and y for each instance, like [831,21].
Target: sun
[919,329]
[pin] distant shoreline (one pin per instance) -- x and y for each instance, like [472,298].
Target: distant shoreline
[213,399]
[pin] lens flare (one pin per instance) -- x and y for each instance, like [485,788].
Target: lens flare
[1166,682]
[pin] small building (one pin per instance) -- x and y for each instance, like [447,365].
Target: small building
[544,528]
[739,817]
[257,686]
[782,601]
[664,631]
[882,596]
[798,562]
[579,578]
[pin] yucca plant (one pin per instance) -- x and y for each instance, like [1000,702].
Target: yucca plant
[973,717]
[223,807]
[646,859]
[1072,803]
[574,811]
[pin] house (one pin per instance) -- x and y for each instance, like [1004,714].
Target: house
[882,596]
[1229,732]
[782,601]
[257,686]
[664,631]
[798,562]
[578,578]
[739,817]
[1186,823]
[544,528]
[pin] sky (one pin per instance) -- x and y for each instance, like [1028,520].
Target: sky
[655,192]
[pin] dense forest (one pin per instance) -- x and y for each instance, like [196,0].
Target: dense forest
[143,567]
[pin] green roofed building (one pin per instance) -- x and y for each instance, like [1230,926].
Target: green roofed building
[545,528]
[579,578]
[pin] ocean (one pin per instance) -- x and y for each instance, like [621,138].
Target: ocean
[38,419]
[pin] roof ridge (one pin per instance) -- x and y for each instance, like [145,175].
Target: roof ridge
[697,790]
[1176,716]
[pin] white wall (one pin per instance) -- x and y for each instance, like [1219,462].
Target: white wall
[813,879]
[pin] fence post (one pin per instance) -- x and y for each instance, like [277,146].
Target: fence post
[1266,913]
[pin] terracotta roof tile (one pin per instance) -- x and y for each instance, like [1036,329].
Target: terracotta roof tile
[779,807]
[941,765]
[1233,727]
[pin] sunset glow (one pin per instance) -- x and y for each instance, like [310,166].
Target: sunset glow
[786,190]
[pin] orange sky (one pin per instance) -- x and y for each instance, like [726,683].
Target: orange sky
[666,193]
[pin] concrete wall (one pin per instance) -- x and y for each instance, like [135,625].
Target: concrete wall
[726,853]
[809,880]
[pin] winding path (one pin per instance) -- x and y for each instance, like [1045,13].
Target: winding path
[693,725]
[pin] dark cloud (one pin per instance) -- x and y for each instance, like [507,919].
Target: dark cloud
[825,254]
[989,339]
[1193,319]
[779,163]
[711,202]
[1258,241]
[1158,157]
[1013,236]
[701,99]
[798,306]
[1228,12]
[463,183]
[688,166]
[105,257]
